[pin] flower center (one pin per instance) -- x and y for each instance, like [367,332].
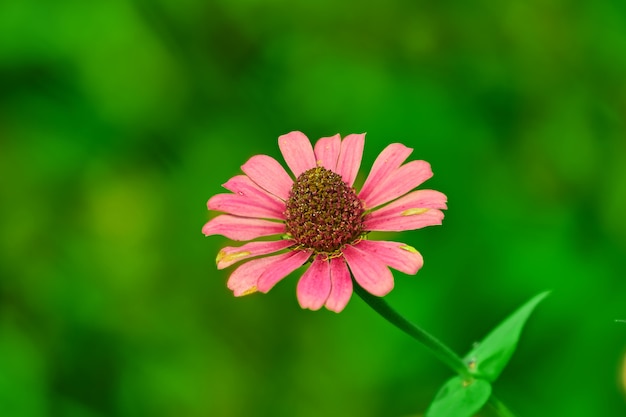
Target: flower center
[323,213]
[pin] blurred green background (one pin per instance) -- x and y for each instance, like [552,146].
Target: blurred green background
[119,119]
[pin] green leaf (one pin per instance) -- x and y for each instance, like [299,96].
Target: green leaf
[459,398]
[488,358]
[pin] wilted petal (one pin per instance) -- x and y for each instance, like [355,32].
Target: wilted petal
[241,228]
[341,285]
[297,151]
[230,255]
[371,274]
[244,279]
[397,255]
[268,174]
[314,286]
[388,161]
[280,270]
[350,157]
[327,152]
[409,220]
[399,182]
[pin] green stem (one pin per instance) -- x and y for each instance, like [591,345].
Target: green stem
[441,351]
[499,406]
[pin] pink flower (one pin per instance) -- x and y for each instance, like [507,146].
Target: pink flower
[321,218]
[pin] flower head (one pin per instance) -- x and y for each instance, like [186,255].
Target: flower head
[318,216]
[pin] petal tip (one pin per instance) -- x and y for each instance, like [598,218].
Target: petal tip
[334,308]
[309,307]
[297,152]
[381,291]
[291,134]
[224,259]
[409,248]
[207,229]
[249,291]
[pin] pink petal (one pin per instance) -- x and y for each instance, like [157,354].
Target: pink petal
[314,286]
[230,255]
[297,151]
[415,220]
[268,174]
[242,206]
[388,161]
[241,228]
[327,152]
[397,255]
[399,182]
[371,274]
[280,270]
[412,203]
[341,285]
[244,187]
[350,157]
[244,279]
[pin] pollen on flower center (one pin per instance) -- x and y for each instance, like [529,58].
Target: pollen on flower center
[323,213]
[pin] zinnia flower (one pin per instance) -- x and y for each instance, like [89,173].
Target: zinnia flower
[319,217]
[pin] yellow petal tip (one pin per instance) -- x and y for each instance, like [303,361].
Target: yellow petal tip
[414,211]
[250,290]
[409,248]
[223,257]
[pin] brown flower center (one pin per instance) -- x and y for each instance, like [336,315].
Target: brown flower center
[323,213]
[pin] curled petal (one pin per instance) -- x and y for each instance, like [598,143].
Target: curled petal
[341,285]
[268,174]
[388,161]
[397,255]
[241,228]
[327,152]
[371,274]
[314,286]
[399,182]
[244,279]
[408,220]
[297,151]
[350,157]
[280,270]
[230,255]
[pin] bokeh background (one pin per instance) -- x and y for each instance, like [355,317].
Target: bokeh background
[119,119]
